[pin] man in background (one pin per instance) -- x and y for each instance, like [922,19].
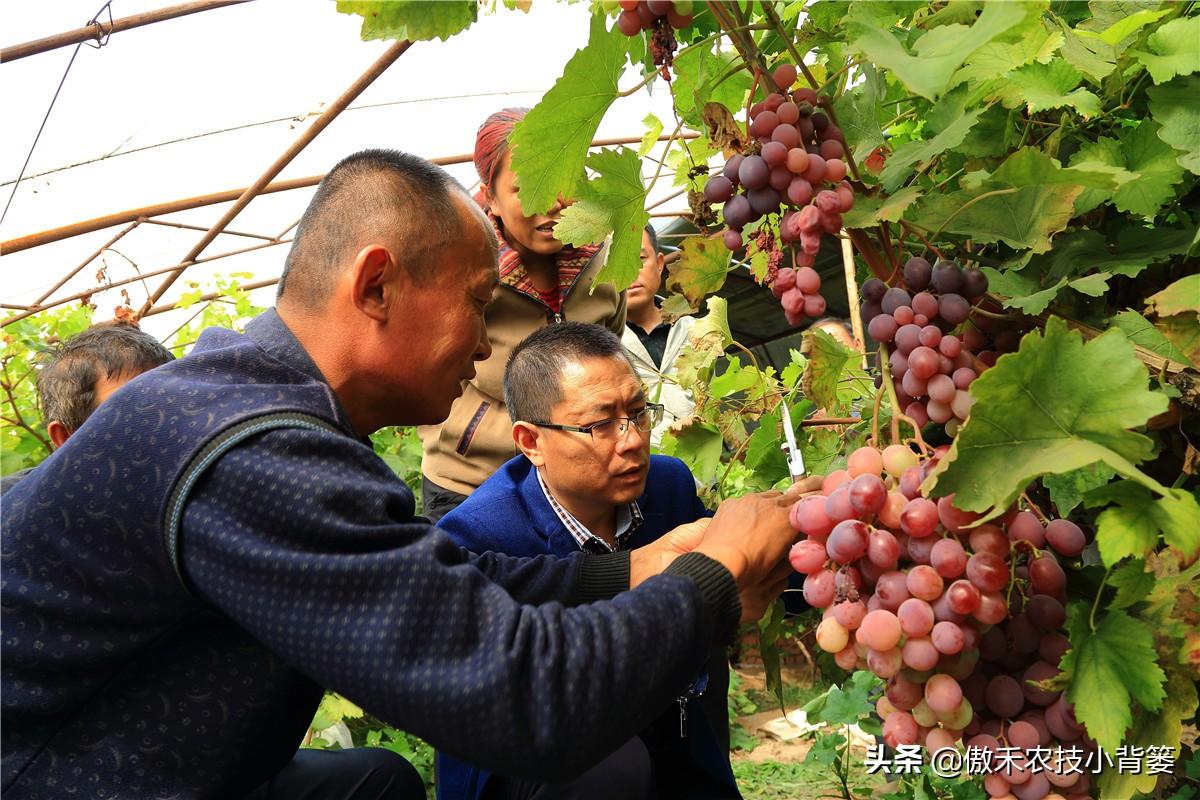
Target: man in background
[653,343]
[83,372]
[585,481]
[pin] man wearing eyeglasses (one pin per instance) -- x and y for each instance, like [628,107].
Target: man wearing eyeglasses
[585,480]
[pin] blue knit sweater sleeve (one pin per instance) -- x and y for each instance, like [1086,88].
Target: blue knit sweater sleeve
[307,540]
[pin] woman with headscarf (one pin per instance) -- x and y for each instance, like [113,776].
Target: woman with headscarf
[542,282]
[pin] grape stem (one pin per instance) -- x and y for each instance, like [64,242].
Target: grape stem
[993,315]
[1096,602]
[885,368]
[1036,510]
[915,232]
[666,150]
[875,420]
[645,80]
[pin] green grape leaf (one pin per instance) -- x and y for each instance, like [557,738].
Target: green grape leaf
[1131,526]
[1144,334]
[614,202]
[845,704]
[701,268]
[1133,583]
[938,53]
[1029,41]
[1172,50]
[1181,296]
[1176,107]
[698,73]
[1125,27]
[1030,166]
[1078,252]
[858,112]
[868,211]
[1162,728]
[699,446]
[762,451]
[1140,151]
[415,20]
[734,379]
[1024,290]
[1109,668]
[1092,56]
[1023,218]
[1041,87]
[900,163]
[550,145]
[1041,411]
[654,129]
[1068,488]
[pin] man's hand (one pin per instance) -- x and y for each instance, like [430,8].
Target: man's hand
[648,561]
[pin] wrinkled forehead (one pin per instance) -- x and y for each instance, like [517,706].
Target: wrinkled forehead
[597,387]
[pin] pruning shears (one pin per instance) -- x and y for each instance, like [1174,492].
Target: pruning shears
[795,461]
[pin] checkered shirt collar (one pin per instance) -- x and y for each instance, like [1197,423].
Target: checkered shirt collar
[629,518]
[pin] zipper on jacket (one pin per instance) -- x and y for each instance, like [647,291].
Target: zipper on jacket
[683,701]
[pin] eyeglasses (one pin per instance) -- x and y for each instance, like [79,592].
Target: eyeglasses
[608,430]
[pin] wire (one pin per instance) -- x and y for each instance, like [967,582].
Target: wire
[54,99]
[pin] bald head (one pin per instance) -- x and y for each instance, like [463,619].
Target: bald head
[369,197]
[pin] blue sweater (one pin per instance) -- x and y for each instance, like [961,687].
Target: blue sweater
[302,567]
[509,514]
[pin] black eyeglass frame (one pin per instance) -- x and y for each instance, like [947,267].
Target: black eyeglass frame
[651,410]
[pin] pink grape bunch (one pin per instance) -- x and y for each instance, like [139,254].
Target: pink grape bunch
[964,621]
[660,18]
[931,344]
[795,169]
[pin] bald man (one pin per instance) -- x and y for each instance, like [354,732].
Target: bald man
[220,542]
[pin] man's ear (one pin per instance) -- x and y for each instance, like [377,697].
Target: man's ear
[372,279]
[529,441]
[58,432]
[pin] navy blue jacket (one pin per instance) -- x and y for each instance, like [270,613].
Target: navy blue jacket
[509,514]
[302,567]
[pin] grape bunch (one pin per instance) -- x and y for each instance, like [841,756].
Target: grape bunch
[659,17]
[795,169]
[931,345]
[962,620]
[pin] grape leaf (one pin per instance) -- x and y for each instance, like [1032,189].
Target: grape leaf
[415,20]
[550,145]
[1110,667]
[1130,526]
[762,451]
[1067,489]
[1078,252]
[1175,107]
[1183,331]
[699,446]
[1172,50]
[734,379]
[1041,87]
[698,72]
[900,163]
[1132,581]
[614,202]
[939,52]
[701,268]
[1022,218]
[1161,728]
[828,359]
[1029,41]
[1181,296]
[1029,166]
[1126,26]
[1140,151]
[870,210]
[858,112]
[654,129]
[1143,333]
[1093,57]
[1041,411]
[707,340]
[845,704]
[1024,291]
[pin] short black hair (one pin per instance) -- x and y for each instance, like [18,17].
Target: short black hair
[533,374]
[66,384]
[653,237]
[365,192]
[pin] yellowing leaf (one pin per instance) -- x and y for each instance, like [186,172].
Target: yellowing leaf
[1181,296]
[550,145]
[701,269]
[416,20]
[612,203]
[1041,411]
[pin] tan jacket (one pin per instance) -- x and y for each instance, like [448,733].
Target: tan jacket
[476,438]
